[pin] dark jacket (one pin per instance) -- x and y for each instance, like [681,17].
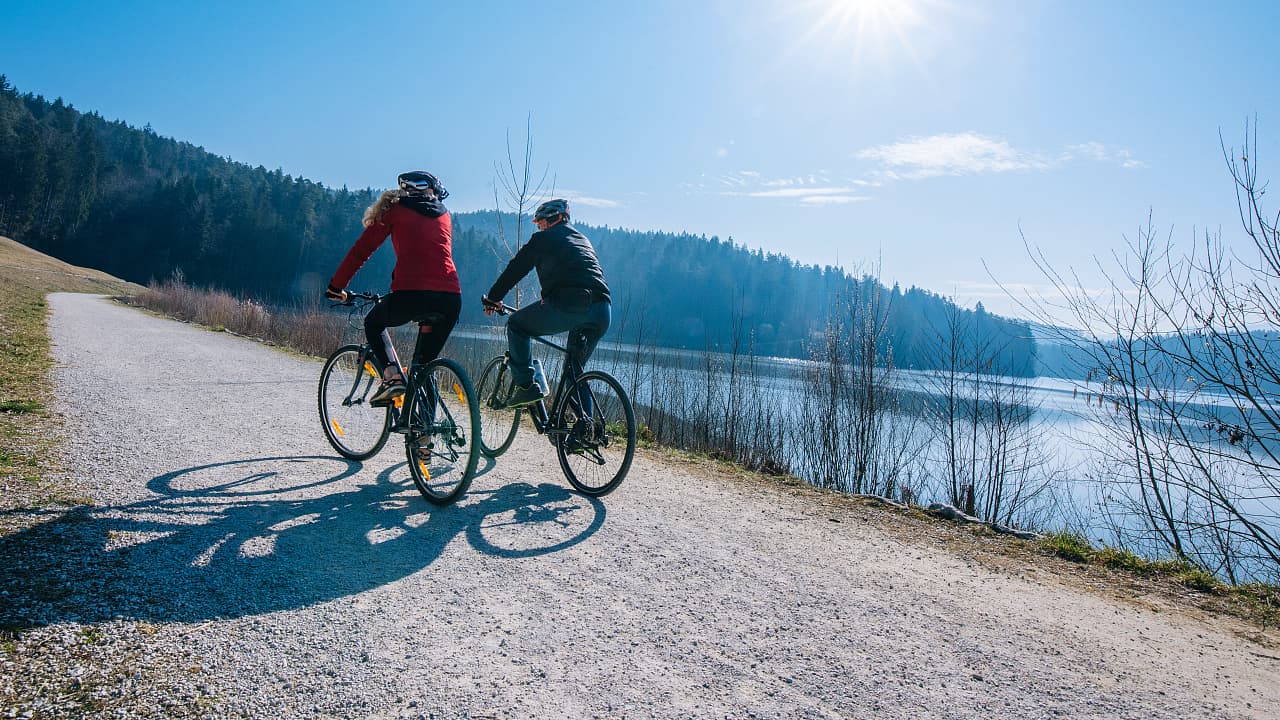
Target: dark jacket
[566,263]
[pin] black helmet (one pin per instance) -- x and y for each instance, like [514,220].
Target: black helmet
[419,181]
[551,209]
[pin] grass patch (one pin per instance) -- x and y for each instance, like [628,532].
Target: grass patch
[1076,548]
[21,406]
[1122,559]
[644,434]
[1187,574]
[1069,546]
[29,435]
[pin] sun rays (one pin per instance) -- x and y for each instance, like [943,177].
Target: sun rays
[857,33]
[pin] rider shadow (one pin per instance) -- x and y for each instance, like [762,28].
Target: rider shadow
[256,536]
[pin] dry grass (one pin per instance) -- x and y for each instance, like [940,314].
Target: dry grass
[29,433]
[310,331]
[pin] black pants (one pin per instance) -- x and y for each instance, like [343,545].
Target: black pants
[435,312]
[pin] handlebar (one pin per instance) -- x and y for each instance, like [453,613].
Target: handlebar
[500,307]
[352,297]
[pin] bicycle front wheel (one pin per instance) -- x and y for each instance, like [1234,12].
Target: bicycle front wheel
[347,381]
[498,423]
[441,438]
[599,441]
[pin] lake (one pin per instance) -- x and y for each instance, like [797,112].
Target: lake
[1064,434]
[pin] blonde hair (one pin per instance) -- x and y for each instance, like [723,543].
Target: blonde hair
[384,202]
[380,206]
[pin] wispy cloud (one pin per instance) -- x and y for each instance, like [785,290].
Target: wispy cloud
[578,198]
[1102,153]
[973,154]
[951,154]
[833,199]
[815,189]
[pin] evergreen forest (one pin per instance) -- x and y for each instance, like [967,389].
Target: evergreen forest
[104,194]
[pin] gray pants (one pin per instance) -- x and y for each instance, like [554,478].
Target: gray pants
[547,318]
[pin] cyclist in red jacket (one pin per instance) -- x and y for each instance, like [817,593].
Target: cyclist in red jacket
[424,283]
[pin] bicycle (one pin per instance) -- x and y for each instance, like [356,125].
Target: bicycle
[591,423]
[439,428]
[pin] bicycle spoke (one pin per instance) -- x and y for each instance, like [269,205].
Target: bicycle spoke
[498,424]
[596,452]
[442,455]
[353,428]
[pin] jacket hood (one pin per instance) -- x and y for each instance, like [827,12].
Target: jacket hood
[430,207]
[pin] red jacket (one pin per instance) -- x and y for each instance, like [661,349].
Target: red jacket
[424,251]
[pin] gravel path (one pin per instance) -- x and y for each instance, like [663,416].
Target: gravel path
[234,566]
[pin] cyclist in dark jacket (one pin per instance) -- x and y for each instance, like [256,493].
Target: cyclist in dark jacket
[424,282]
[574,295]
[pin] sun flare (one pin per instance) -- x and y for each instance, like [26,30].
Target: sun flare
[863,29]
[870,15]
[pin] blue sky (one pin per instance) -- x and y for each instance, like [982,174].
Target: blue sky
[916,134]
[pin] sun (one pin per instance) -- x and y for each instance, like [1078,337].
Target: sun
[863,29]
[864,17]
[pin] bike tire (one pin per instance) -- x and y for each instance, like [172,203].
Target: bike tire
[498,423]
[596,453]
[442,431]
[356,430]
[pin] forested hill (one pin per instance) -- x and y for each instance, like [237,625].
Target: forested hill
[103,194]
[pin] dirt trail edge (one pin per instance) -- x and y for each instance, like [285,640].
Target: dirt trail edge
[291,583]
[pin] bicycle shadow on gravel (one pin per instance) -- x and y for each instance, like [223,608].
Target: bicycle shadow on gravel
[266,534]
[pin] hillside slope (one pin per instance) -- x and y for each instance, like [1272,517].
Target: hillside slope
[28,432]
[143,206]
[25,268]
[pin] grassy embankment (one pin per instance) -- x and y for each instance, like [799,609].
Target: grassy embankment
[29,432]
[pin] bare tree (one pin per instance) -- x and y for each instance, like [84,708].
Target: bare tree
[986,438]
[520,194]
[853,433]
[1185,347]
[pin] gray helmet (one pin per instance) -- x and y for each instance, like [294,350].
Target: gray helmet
[420,181]
[552,208]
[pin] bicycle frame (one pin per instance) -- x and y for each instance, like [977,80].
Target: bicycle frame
[569,373]
[412,380]
[441,433]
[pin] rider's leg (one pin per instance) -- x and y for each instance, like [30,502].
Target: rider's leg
[396,309]
[438,313]
[540,318]
[593,325]
[583,340]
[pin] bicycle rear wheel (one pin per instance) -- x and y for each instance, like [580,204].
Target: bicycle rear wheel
[498,423]
[443,427]
[595,454]
[347,381]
